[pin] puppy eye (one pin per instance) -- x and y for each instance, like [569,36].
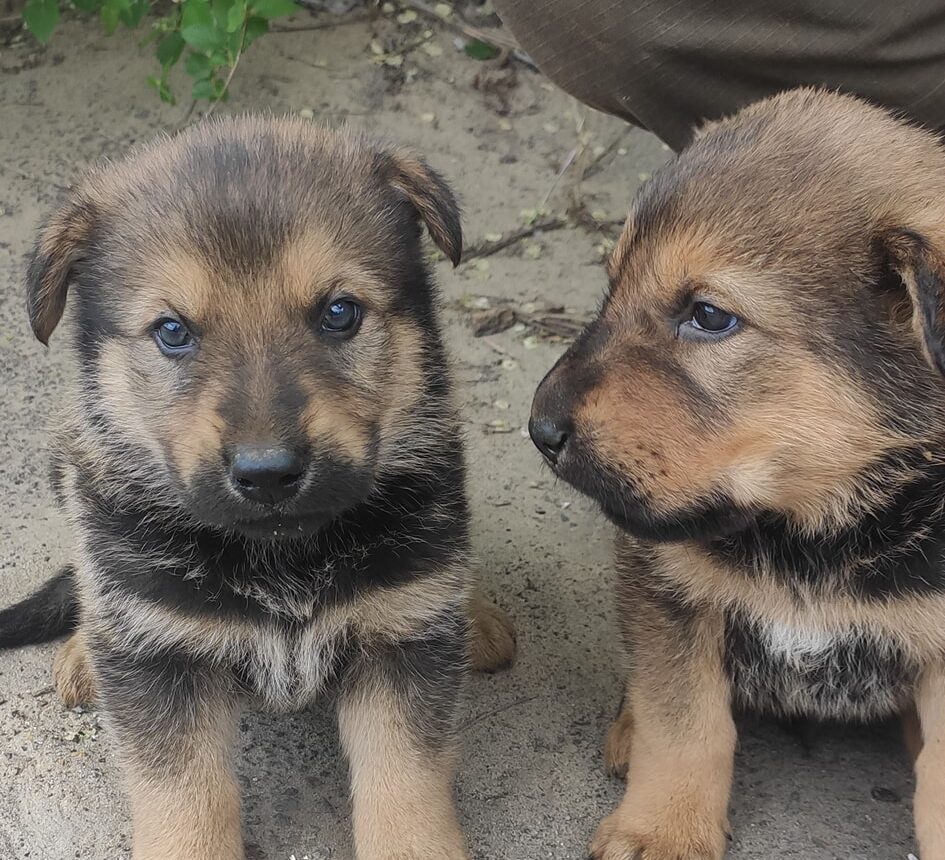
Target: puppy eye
[173,337]
[707,319]
[343,317]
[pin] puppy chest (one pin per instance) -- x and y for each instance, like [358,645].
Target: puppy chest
[793,671]
[287,669]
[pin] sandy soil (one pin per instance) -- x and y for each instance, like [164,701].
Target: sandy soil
[532,784]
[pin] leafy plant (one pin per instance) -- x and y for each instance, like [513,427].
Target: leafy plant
[214,33]
[480,50]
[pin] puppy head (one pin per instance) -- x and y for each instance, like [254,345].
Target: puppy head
[773,329]
[255,324]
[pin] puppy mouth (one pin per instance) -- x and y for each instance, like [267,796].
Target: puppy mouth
[279,527]
[623,502]
[215,505]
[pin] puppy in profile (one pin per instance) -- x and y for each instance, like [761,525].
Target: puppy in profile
[262,465]
[760,408]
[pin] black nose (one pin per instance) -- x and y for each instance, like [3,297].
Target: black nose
[266,475]
[549,436]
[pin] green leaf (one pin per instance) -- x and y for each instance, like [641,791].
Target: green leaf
[87,5]
[111,14]
[234,46]
[236,17]
[270,9]
[162,89]
[221,12]
[481,50]
[196,13]
[41,16]
[133,12]
[202,38]
[255,27]
[198,66]
[198,27]
[204,89]
[170,49]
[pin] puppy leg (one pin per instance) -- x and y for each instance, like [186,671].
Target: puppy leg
[930,766]
[397,717]
[72,672]
[619,738]
[677,732]
[492,640]
[912,732]
[174,724]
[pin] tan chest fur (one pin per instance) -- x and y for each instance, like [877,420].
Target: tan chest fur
[802,618]
[284,665]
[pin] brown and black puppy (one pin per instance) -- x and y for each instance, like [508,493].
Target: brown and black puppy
[263,467]
[760,408]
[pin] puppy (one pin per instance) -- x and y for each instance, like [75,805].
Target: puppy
[760,408]
[262,465]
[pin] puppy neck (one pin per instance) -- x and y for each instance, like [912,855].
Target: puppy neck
[891,543]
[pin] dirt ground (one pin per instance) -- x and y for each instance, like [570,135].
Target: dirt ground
[532,783]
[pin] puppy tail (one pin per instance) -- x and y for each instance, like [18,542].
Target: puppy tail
[48,613]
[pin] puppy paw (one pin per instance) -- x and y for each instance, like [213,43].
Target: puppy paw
[492,645]
[72,673]
[617,745]
[679,837]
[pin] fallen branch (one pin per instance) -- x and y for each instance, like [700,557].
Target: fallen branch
[554,324]
[496,711]
[572,156]
[494,36]
[552,321]
[340,21]
[487,248]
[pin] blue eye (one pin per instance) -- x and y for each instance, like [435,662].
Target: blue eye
[707,319]
[172,337]
[343,316]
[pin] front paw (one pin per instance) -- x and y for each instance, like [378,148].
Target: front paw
[674,833]
[410,850]
[492,636]
[72,672]
[618,743]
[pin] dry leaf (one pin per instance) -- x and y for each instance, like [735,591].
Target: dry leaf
[499,425]
[492,321]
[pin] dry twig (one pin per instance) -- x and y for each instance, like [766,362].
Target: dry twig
[492,36]
[487,248]
[340,21]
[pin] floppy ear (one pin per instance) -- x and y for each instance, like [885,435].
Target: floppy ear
[432,198]
[63,241]
[921,266]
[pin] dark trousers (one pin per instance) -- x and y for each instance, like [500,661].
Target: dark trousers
[667,65]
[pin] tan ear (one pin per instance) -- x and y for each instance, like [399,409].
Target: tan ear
[63,242]
[432,198]
[921,265]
